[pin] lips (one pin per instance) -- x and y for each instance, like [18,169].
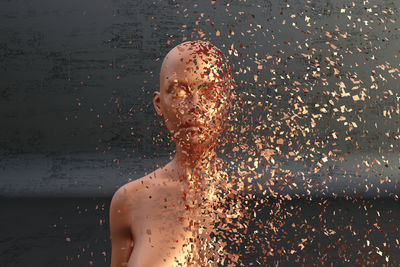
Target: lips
[192,124]
[193,127]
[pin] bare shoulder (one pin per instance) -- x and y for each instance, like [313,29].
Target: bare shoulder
[125,206]
[134,192]
[134,196]
[129,193]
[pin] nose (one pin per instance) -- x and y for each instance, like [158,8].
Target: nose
[195,101]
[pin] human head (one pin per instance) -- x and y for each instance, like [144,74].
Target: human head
[195,89]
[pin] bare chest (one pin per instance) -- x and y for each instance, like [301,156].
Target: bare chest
[164,227]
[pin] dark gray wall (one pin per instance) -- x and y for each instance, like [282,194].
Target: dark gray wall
[78,75]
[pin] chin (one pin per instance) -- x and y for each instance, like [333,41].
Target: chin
[195,141]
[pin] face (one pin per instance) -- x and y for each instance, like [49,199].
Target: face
[194,95]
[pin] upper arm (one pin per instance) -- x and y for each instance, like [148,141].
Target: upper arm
[122,241]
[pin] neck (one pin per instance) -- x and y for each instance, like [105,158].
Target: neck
[195,169]
[190,162]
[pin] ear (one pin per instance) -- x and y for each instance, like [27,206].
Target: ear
[157,102]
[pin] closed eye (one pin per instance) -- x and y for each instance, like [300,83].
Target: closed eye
[212,92]
[177,91]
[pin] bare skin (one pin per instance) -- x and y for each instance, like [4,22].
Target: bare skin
[161,219]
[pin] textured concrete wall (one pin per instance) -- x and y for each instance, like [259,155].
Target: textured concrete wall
[76,75]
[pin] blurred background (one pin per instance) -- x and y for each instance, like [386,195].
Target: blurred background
[317,84]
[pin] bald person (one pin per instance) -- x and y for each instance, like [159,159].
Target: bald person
[164,218]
